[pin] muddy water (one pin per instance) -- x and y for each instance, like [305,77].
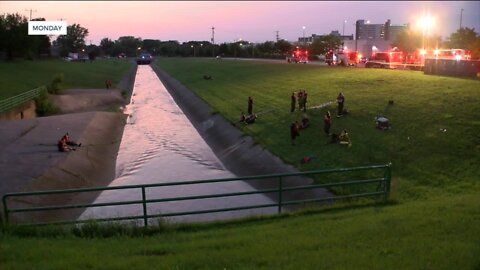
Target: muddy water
[160,145]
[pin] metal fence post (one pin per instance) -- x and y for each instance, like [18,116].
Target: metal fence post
[5,209]
[145,220]
[388,177]
[280,191]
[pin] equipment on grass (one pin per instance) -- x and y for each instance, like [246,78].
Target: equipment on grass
[382,122]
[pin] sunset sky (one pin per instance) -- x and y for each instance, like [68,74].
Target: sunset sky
[255,21]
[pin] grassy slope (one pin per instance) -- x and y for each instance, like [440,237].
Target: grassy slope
[427,235]
[20,76]
[425,160]
[435,225]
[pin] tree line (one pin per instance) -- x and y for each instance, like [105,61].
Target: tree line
[16,43]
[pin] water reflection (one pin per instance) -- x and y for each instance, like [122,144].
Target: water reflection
[160,145]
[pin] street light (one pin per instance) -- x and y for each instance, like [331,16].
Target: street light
[426,22]
[343,30]
[191,46]
[304,41]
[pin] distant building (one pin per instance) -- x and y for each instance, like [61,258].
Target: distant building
[366,30]
[374,37]
[310,39]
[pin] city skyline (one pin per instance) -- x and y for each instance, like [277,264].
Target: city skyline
[233,20]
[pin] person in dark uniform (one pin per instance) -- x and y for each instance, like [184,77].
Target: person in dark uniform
[294,131]
[250,105]
[327,123]
[340,102]
[294,102]
[304,105]
[300,99]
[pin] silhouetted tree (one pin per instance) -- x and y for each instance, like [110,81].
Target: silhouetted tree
[74,40]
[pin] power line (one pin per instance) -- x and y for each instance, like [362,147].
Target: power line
[31,10]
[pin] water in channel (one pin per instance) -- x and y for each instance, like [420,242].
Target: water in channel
[160,145]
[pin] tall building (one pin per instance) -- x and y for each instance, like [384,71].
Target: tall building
[374,37]
[366,30]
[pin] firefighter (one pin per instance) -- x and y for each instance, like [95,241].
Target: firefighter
[300,98]
[304,105]
[294,102]
[340,102]
[327,123]
[250,105]
[294,131]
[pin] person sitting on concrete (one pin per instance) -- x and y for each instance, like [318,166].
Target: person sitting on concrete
[67,140]
[63,147]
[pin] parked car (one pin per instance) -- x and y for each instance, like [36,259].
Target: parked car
[144,59]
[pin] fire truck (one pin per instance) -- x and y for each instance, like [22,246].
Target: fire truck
[298,56]
[344,58]
[392,59]
[416,60]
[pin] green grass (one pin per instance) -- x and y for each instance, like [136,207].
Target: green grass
[440,233]
[425,160]
[22,75]
[433,224]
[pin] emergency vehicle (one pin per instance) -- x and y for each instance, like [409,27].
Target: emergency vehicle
[298,56]
[344,58]
[391,59]
[416,60]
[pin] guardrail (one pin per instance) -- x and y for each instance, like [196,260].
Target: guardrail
[11,102]
[382,190]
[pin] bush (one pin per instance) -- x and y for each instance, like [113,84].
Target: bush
[57,84]
[44,107]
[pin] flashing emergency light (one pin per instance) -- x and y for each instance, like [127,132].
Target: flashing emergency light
[436,52]
[423,51]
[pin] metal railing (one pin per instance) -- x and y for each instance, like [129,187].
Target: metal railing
[14,101]
[382,190]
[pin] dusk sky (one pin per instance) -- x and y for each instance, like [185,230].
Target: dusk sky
[255,21]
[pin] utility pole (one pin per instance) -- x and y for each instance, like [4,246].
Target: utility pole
[31,10]
[213,41]
[461,13]
[278,38]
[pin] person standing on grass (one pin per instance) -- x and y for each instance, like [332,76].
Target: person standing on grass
[340,102]
[305,95]
[327,123]
[299,98]
[294,102]
[294,131]
[250,105]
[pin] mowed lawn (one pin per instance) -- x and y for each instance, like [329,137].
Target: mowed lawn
[433,222]
[21,75]
[433,143]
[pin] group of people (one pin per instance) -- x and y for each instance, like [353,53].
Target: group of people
[66,145]
[301,96]
[295,127]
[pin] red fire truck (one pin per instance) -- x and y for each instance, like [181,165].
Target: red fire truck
[416,60]
[393,59]
[298,56]
[344,58]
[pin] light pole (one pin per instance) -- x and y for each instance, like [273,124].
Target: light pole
[191,46]
[304,41]
[200,52]
[343,30]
